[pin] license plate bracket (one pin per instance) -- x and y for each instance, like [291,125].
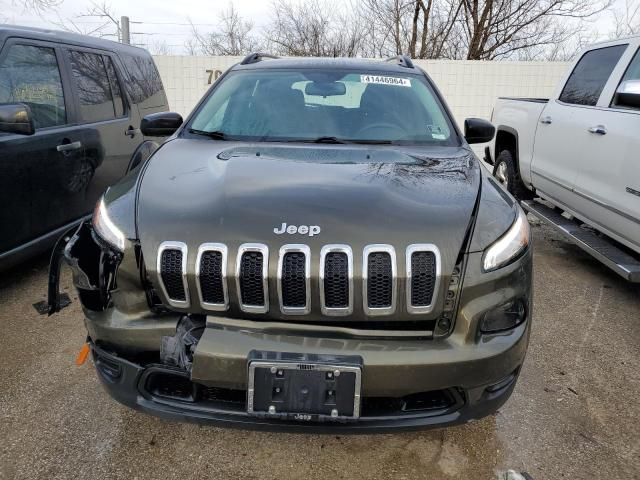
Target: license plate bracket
[305,389]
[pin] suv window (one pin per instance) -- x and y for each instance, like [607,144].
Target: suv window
[118,99]
[590,75]
[312,104]
[145,82]
[94,90]
[30,75]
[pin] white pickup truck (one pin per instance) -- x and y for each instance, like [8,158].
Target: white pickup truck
[580,152]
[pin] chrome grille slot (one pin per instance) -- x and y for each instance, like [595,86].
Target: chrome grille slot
[251,275]
[423,277]
[379,280]
[172,268]
[336,280]
[294,288]
[211,276]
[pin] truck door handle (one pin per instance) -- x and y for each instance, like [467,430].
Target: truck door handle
[598,130]
[131,132]
[68,147]
[546,120]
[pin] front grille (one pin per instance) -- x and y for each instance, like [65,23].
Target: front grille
[251,280]
[294,284]
[379,280]
[211,278]
[378,291]
[171,264]
[423,278]
[336,280]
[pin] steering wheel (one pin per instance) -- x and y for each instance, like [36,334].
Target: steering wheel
[383,128]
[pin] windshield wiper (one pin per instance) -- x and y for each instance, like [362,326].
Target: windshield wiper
[217,134]
[326,140]
[373,142]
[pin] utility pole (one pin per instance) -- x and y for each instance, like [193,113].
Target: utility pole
[124,28]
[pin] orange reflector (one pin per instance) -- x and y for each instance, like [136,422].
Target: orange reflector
[83,354]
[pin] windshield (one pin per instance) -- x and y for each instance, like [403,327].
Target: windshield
[324,106]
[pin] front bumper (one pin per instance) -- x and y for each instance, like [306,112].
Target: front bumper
[456,383]
[464,376]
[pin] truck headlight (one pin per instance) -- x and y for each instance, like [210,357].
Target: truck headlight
[105,228]
[508,247]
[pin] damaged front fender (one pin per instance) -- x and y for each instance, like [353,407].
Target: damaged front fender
[94,265]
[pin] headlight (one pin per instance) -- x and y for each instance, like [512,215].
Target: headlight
[104,226]
[509,246]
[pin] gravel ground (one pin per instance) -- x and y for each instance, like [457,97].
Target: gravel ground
[574,413]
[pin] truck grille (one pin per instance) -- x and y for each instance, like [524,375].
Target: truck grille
[379,285]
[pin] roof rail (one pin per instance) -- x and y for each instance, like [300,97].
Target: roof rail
[255,57]
[402,60]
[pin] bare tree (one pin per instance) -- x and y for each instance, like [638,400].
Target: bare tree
[234,36]
[314,28]
[36,6]
[492,29]
[419,28]
[626,19]
[109,25]
[191,46]
[158,47]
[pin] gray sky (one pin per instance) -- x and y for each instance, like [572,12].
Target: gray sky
[162,20]
[168,21]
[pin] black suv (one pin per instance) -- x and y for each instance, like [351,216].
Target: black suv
[316,246]
[70,107]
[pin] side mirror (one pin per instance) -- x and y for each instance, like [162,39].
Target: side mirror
[16,118]
[628,94]
[477,130]
[161,124]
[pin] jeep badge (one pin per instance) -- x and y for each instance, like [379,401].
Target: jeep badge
[302,229]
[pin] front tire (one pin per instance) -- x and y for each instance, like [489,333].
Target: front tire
[506,173]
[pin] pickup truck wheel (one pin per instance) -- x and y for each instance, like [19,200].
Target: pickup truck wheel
[506,173]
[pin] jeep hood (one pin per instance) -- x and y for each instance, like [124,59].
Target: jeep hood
[198,191]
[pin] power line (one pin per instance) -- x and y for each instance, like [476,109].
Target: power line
[175,23]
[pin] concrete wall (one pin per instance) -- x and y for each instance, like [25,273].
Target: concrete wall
[470,87]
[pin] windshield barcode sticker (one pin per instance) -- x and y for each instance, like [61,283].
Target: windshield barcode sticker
[399,82]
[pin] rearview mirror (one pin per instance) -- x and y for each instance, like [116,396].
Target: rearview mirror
[16,118]
[477,130]
[628,94]
[161,124]
[325,89]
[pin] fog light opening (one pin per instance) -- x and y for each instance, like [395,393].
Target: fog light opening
[109,369]
[502,384]
[504,317]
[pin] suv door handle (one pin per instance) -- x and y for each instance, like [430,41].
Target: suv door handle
[598,130]
[68,147]
[546,120]
[131,132]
